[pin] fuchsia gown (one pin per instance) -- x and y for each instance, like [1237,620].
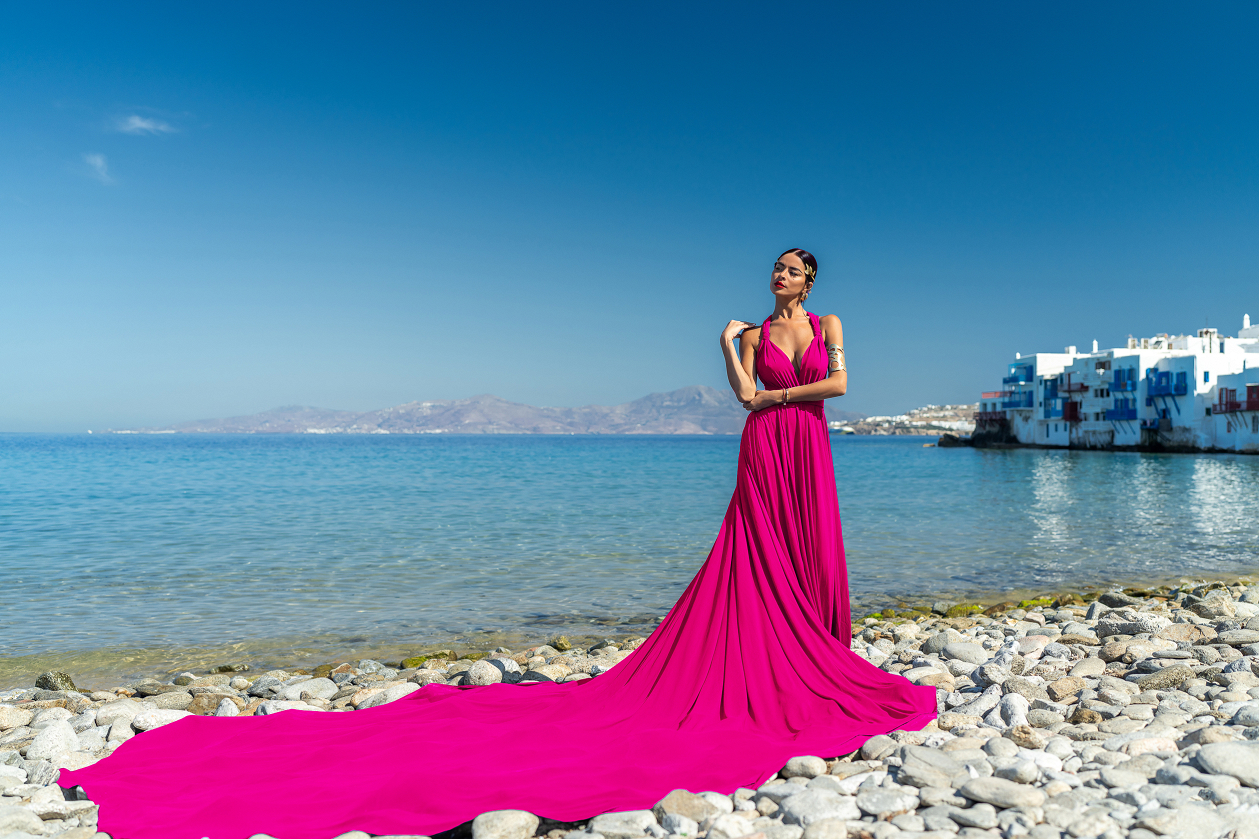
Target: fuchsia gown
[751,667]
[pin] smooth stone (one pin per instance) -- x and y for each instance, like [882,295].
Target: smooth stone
[1115,777]
[173,700]
[120,732]
[1168,677]
[226,708]
[90,741]
[321,688]
[14,819]
[813,805]
[936,643]
[826,829]
[1238,637]
[1002,793]
[628,824]
[55,741]
[120,709]
[805,766]
[390,694]
[721,802]
[275,706]
[879,746]
[148,720]
[505,824]
[207,704]
[1089,668]
[934,758]
[949,720]
[679,825]
[965,651]
[727,826]
[483,673]
[885,803]
[982,815]
[1062,689]
[11,717]
[1240,760]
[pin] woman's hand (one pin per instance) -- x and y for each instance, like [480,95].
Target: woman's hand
[764,399]
[733,328]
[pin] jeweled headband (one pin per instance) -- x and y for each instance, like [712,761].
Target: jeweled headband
[810,264]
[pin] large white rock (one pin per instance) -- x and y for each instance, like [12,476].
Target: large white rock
[19,819]
[57,739]
[11,717]
[121,709]
[727,826]
[805,766]
[389,695]
[1241,760]
[484,673]
[120,731]
[504,824]
[226,708]
[275,706]
[322,688]
[628,824]
[148,720]
[814,805]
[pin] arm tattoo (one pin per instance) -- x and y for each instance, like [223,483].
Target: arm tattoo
[836,355]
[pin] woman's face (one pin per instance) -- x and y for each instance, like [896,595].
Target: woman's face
[788,280]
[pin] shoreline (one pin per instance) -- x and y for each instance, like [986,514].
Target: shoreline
[1108,715]
[120,664]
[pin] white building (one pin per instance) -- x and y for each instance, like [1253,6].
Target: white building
[1180,392]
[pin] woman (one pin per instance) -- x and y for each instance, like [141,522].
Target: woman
[750,668]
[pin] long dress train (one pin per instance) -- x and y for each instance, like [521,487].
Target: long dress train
[751,667]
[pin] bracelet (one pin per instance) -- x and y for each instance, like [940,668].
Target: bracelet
[786,394]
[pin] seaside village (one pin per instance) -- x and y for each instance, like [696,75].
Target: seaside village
[1169,392]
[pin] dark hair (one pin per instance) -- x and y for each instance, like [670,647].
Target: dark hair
[810,264]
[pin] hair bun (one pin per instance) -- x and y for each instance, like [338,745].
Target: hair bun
[810,264]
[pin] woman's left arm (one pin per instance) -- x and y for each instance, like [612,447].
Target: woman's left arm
[835,384]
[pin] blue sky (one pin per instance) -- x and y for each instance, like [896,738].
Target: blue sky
[222,210]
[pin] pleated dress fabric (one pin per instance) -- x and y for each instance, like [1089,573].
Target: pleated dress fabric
[752,666]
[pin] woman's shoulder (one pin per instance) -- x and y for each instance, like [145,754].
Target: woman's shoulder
[832,328]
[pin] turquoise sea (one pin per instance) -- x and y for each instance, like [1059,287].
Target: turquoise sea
[134,554]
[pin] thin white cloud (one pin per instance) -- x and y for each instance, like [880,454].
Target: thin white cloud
[136,124]
[99,166]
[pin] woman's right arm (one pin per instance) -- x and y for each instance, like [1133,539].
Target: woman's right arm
[740,366]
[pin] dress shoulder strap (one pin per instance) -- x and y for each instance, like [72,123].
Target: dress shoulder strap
[764,332]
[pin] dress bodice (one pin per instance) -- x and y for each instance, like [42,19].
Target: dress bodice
[775,369]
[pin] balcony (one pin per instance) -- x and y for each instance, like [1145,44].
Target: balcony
[1123,386]
[1161,383]
[1073,387]
[989,416]
[1020,375]
[1116,414]
[1149,424]
[1233,406]
[1020,400]
[1052,413]
[996,394]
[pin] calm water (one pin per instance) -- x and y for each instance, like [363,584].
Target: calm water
[130,553]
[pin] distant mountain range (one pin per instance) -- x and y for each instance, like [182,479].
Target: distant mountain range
[689,410]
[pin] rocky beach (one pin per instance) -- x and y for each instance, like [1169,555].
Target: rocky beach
[1131,713]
